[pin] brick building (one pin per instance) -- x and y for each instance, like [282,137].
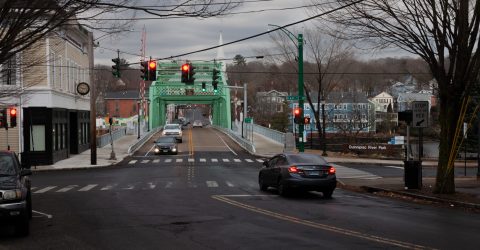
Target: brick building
[122,104]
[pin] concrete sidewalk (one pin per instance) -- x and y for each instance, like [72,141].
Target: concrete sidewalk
[83,160]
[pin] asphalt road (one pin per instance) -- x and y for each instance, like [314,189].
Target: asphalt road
[207,197]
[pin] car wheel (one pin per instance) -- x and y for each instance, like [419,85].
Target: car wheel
[23,226]
[327,194]
[261,183]
[282,189]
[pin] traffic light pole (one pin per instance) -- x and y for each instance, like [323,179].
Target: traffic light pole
[301,126]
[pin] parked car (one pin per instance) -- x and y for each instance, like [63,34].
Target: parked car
[166,145]
[15,193]
[173,130]
[197,123]
[302,172]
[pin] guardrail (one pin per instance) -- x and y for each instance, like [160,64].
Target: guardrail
[142,140]
[116,134]
[270,133]
[247,145]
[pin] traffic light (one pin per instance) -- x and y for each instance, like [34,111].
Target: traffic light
[296,112]
[191,73]
[204,86]
[215,77]
[152,70]
[3,118]
[144,70]
[307,120]
[13,117]
[116,67]
[185,69]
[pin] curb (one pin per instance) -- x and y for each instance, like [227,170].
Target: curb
[72,168]
[423,197]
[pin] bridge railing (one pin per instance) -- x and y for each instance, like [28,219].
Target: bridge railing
[246,144]
[269,133]
[116,134]
[144,139]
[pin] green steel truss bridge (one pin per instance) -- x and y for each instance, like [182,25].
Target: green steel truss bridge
[168,89]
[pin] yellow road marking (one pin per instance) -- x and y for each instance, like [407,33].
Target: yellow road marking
[319,225]
[190,142]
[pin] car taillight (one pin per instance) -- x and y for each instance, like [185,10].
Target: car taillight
[331,170]
[293,169]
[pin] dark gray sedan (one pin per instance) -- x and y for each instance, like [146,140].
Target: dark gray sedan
[166,145]
[302,172]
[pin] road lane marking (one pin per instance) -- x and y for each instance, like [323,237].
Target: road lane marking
[226,160]
[168,160]
[49,216]
[132,162]
[129,187]
[260,160]
[43,190]
[237,160]
[214,160]
[248,160]
[148,152]
[203,160]
[212,184]
[191,160]
[108,187]
[87,188]
[66,189]
[144,161]
[229,184]
[151,185]
[179,160]
[169,184]
[156,161]
[397,167]
[225,143]
[316,225]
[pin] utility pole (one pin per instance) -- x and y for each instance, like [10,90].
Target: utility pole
[301,126]
[93,96]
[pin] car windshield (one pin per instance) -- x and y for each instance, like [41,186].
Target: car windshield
[7,167]
[307,159]
[165,140]
[172,126]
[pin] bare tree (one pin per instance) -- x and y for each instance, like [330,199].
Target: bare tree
[444,33]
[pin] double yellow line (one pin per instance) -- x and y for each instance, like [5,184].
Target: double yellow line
[190,142]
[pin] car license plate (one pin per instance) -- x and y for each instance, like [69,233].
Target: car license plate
[314,173]
[165,150]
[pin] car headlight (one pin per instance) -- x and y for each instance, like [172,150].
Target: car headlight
[156,150]
[174,149]
[163,132]
[12,194]
[180,133]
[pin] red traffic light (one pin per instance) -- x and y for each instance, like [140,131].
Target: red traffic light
[296,111]
[13,112]
[152,65]
[185,67]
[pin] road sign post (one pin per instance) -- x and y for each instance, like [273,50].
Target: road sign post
[420,114]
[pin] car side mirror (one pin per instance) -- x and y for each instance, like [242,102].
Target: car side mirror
[265,163]
[25,172]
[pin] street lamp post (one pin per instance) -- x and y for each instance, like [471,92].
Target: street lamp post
[299,45]
[138,118]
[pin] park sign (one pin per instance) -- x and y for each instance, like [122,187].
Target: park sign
[420,114]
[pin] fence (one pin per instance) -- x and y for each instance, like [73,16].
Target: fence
[246,144]
[270,133]
[116,134]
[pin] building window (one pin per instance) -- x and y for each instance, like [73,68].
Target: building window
[37,138]
[8,72]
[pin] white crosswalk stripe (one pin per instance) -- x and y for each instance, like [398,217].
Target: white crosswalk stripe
[168,160]
[203,160]
[108,187]
[151,185]
[248,160]
[87,187]
[259,160]
[179,160]
[226,160]
[129,187]
[156,161]
[145,161]
[229,184]
[169,184]
[212,184]
[214,160]
[132,162]
[44,190]
[237,160]
[66,189]
[191,160]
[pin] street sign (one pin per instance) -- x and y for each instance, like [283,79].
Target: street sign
[248,119]
[294,98]
[420,114]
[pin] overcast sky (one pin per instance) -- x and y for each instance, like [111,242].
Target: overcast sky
[171,37]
